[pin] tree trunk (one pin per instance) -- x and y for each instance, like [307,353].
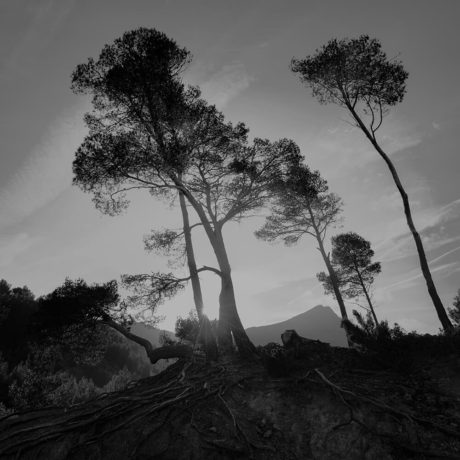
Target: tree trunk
[361,281]
[440,310]
[206,337]
[196,285]
[334,281]
[337,293]
[332,275]
[230,326]
[370,306]
[330,268]
[229,319]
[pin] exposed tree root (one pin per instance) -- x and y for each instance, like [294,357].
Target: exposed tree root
[399,414]
[229,410]
[94,422]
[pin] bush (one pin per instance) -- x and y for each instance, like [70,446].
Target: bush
[393,347]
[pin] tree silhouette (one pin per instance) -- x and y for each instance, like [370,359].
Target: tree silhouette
[148,131]
[170,241]
[303,205]
[357,75]
[17,306]
[76,307]
[351,259]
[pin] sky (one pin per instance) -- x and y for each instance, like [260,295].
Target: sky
[50,230]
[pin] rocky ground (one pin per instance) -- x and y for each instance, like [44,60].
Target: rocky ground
[316,402]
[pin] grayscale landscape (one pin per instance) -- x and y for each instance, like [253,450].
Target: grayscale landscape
[229,230]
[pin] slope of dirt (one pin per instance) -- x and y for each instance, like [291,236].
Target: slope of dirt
[322,403]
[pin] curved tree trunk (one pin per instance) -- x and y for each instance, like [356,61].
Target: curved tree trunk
[337,293]
[440,310]
[230,326]
[206,337]
[330,268]
[229,319]
[332,275]
[196,285]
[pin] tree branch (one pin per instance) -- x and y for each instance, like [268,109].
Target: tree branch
[154,354]
[211,269]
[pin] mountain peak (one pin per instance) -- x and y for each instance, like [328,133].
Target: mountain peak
[318,323]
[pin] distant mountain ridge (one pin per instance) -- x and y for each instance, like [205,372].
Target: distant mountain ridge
[318,323]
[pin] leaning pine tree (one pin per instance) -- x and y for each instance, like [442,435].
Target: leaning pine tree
[302,205]
[357,75]
[352,261]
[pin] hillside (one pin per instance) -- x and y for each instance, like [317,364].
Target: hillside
[332,403]
[318,323]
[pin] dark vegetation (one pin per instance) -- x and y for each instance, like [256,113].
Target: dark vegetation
[302,400]
[392,394]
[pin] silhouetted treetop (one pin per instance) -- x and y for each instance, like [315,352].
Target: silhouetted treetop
[302,205]
[143,61]
[352,262]
[76,304]
[351,71]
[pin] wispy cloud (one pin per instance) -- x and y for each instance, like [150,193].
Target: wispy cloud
[226,84]
[344,148]
[398,135]
[445,254]
[46,172]
[431,224]
[416,274]
[12,246]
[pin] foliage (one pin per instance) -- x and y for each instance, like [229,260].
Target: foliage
[187,328]
[146,126]
[167,242]
[353,72]
[17,306]
[68,354]
[356,74]
[33,379]
[78,305]
[352,262]
[148,291]
[302,205]
[454,311]
[149,131]
[70,391]
[50,377]
[395,348]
